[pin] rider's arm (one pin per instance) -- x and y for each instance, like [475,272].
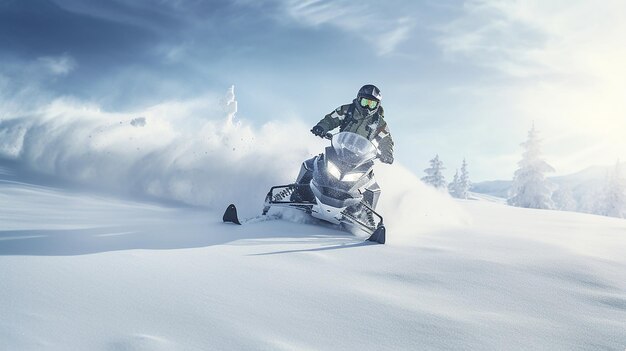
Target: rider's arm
[386,148]
[333,119]
[384,141]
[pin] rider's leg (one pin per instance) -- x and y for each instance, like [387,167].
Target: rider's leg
[372,193]
[306,172]
[303,192]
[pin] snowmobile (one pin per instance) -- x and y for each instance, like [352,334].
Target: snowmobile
[337,186]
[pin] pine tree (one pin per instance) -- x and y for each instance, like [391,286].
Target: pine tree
[453,187]
[459,187]
[434,176]
[530,187]
[564,200]
[591,200]
[613,201]
[464,182]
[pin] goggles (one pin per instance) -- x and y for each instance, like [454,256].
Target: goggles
[371,104]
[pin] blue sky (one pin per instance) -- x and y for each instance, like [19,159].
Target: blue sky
[459,78]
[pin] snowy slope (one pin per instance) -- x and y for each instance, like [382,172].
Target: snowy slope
[87,272]
[102,247]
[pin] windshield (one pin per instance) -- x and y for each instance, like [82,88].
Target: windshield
[353,148]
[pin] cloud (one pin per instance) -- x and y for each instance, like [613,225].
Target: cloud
[317,12]
[550,37]
[58,65]
[148,14]
[387,42]
[368,21]
[559,63]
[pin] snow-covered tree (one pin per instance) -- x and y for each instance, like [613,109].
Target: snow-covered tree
[460,185]
[613,200]
[564,200]
[530,187]
[464,181]
[454,185]
[591,199]
[434,177]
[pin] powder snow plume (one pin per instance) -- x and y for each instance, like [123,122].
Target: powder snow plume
[412,208]
[194,151]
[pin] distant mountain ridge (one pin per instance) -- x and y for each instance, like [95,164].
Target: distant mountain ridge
[580,183]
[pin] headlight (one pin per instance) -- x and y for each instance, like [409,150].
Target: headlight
[333,170]
[352,177]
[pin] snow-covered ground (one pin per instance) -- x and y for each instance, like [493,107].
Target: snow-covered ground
[80,271]
[98,250]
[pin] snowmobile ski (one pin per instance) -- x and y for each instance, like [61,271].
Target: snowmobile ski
[379,235]
[230,215]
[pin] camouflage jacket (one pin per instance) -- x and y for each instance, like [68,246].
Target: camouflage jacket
[349,119]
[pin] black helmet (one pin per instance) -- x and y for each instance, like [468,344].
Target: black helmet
[369,91]
[368,99]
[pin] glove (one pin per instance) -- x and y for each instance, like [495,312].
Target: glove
[386,151]
[386,157]
[319,131]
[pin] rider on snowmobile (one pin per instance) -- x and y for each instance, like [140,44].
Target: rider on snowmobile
[364,116]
